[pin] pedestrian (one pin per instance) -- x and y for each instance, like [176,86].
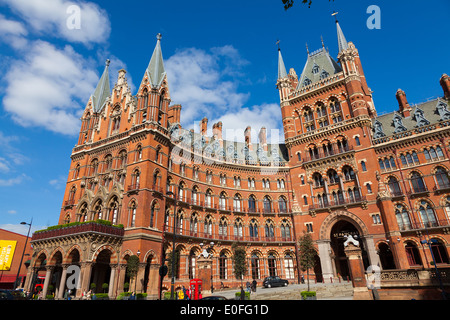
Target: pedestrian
[303,279]
[242,293]
[133,296]
[89,295]
[254,285]
[248,286]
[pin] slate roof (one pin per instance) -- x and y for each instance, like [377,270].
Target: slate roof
[103,91]
[318,65]
[427,113]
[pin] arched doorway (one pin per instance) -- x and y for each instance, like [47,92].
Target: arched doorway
[386,256]
[101,271]
[338,236]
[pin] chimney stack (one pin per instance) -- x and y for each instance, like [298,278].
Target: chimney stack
[445,83]
[248,137]
[404,107]
[263,138]
[204,126]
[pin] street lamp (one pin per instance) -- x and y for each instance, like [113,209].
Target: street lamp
[172,281]
[23,253]
[438,274]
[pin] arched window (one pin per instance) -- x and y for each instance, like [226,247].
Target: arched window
[255,266]
[253,228]
[132,211]
[153,211]
[252,204]
[223,270]
[272,263]
[348,173]
[208,226]
[223,227]
[442,178]
[237,203]
[394,186]
[412,254]
[82,215]
[267,204]
[282,205]
[402,216]
[179,222]
[238,229]
[333,176]
[439,251]
[192,263]
[269,230]
[417,183]
[208,197]
[427,214]
[285,230]
[318,179]
[289,266]
[223,201]
[193,225]
[108,162]
[114,210]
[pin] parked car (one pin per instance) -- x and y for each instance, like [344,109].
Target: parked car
[6,295]
[270,282]
[214,298]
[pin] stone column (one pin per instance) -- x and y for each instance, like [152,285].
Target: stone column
[62,283]
[112,282]
[29,280]
[48,276]
[85,277]
[372,252]
[325,260]
[356,266]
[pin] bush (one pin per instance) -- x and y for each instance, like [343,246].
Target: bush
[238,295]
[308,295]
[101,296]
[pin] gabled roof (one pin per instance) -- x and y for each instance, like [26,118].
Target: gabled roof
[319,65]
[155,70]
[103,90]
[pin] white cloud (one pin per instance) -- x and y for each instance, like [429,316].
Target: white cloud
[200,81]
[54,17]
[265,115]
[44,87]
[13,32]
[12,181]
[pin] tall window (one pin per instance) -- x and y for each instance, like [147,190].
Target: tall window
[402,216]
[269,229]
[289,266]
[208,226]
[237,203]
[253,228]
[223,270]
[251,204]
[255,266]
[238,228]
[272,262]
[285,230]
[133,214]
[442,178]
[394,186]
[193,225]
[282,205]
[427,214]
[208,198]
[223,227]
[267,204]
[417,182]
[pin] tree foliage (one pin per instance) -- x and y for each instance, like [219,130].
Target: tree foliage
[307,254]
[132,266]
[239,261]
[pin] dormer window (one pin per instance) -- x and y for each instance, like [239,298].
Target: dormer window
[324,74]
[315,69]
[306,82]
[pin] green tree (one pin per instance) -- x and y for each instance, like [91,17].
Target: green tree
[307,254]
[239,261]
[133,268]
[176,264]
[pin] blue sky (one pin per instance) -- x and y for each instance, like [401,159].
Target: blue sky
[221,59]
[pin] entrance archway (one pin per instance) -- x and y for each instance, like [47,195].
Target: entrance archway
[101,271]
[339,232]
[386,256]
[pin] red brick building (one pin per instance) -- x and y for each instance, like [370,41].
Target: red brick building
[342,171]
[12,245]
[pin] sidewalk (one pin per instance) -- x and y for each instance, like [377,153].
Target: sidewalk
[329,291]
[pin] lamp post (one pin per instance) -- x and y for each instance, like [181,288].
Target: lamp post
[438,274]
[172,281]
[23,253]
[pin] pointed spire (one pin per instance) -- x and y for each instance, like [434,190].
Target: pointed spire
[342,42]
[103,90]
[281,68]
[155,70]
